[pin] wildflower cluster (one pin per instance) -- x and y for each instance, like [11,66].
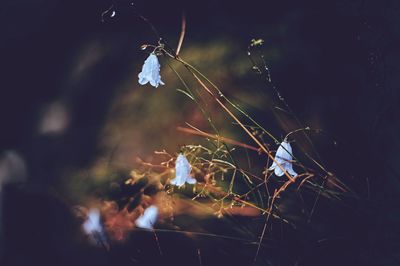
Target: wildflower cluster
[151,196]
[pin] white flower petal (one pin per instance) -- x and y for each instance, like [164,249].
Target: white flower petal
[151,72]
[94,229]
[278,171]
[272,167]
[191,180]
[182,172]
[92,224]
[284,152]
[148,218]
[290,170]
[142,79]
[284,157]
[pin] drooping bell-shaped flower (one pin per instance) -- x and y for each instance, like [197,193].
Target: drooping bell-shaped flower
[284,157]
[92,224]
[93,228]
[148,218]
[151,72]
[182,172]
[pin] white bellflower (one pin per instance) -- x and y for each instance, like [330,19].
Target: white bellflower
[151,72]
[182,172]
[94,229]
[284,157]
[148,218]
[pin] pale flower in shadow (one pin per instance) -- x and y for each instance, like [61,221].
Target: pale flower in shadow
[151,72]
[182,172]
[148,218]
[284,157]
[93,228]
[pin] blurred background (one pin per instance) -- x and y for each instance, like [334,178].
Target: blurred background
[74,116]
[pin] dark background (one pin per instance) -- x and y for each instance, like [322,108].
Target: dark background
[338,62]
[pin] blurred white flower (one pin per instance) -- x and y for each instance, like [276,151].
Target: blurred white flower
[284,157]
[182,169]
[92,224]
[12,168]
[54,120]
[151,72]
[94,229]
[148,218]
